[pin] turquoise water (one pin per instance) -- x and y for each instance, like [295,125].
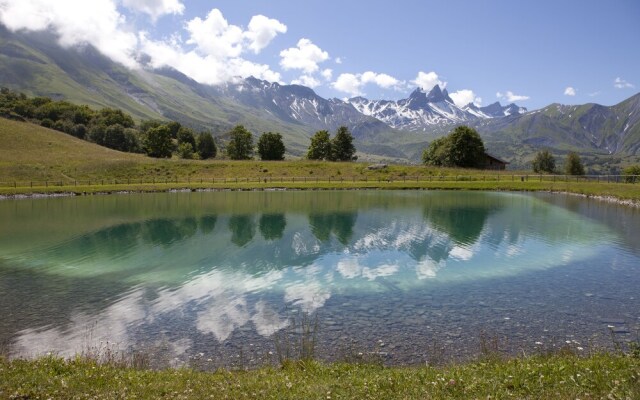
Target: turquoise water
[409,276]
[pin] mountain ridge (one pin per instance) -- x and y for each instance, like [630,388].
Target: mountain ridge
[384,129]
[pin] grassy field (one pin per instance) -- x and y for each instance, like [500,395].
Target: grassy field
[39,160]
[612,376]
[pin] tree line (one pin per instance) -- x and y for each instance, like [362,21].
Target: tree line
[115,129]
[109,127]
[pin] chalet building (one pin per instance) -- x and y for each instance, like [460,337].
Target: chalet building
[494,163]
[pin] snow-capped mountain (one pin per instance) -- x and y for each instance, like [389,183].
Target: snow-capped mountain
[297,104]
[422,111]
[495,110]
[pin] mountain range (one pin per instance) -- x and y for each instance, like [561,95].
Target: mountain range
[384,129]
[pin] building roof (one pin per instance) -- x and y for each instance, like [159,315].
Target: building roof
[496,158]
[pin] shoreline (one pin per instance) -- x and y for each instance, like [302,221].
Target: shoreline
[635,203]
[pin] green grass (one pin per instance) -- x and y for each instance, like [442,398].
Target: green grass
[613,376]
[39,160]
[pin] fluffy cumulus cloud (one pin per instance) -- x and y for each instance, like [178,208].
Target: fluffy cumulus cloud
[75,22]
[305,56]
[511,97]
[620,83]
[327,74]
[206,69]
[213,52]
[465,96]
[155,8]
[262,30]
[353,83]
[569,91]
[306,80]
[214,36]
[427,80]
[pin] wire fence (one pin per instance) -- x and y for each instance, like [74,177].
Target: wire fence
[318,180]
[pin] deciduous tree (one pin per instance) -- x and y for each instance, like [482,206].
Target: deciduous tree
[463,148]
[573,164]
[544,162]
[320,147]
[270,146]
[240,146]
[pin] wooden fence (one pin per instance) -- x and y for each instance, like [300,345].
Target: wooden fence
[353,179]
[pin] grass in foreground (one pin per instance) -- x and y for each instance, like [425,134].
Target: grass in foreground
[613,376]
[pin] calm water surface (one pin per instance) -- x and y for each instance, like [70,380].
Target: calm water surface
[411,277]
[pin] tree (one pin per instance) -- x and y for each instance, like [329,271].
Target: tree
[240,146]
[174,128]
[632,174]
[573,165]
[185,150]
[112,116]
[158,142]
[114,137]
[270,146]
[342,148]
[463,148]
[320,148]
[544,162]
[436,153]
[206,146]
[185,135]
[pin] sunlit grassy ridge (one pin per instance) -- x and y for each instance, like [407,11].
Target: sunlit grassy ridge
[612,376]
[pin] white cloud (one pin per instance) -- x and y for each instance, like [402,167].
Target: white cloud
[305,56]
[306,80]
[594,94]
[427,80]
[465,96]
[620,83]
[214,36]
[511,97]
[75,22]
[353,83]
[155,8]
[569,91]
[383,80]
[327,74]
[262,31]
[348,83]
[206,69]
[218,47]
[338,60]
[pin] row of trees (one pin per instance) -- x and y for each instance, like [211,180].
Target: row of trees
[464,148]
[240,146]
[544,162]
[271,147]
[340,148]
[109,127]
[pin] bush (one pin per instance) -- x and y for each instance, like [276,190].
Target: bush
[573,165]
[185,150]
[544,162]
[632,174]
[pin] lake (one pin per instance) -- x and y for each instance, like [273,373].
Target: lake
[229,278]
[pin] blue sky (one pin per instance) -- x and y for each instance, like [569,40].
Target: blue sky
[533,53]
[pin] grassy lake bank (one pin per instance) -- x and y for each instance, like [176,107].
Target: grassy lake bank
[601,375]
